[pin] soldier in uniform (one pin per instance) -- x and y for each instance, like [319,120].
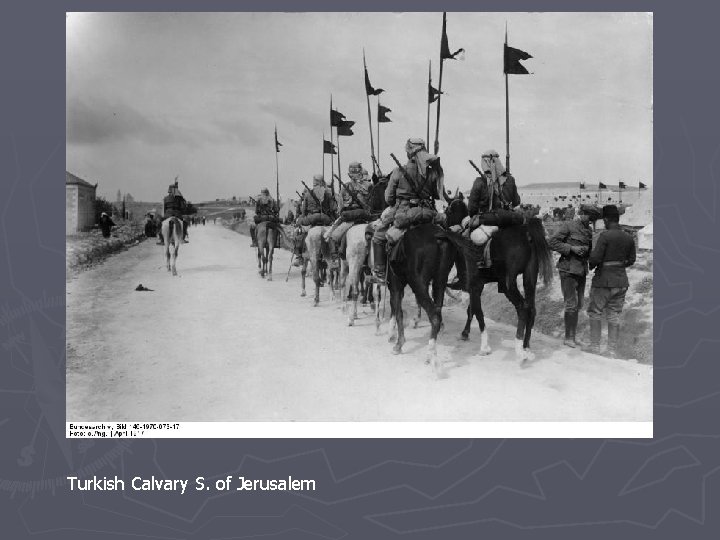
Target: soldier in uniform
[354,198]
[266,208]
[492,196]
[318,207]
[613,252]
[573,240]
[407,201]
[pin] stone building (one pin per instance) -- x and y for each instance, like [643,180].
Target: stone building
[79,204]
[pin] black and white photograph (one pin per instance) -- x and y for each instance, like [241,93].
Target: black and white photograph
[360,220]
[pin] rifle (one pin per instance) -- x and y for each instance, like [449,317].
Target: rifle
[502,202]
[313,196]
[352,194]
[377,164]
[417,191]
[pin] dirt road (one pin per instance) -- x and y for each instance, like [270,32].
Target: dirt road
[220,343]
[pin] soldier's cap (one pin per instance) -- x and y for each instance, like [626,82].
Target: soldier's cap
[593,212]
[490,153]
[265,191]
[355,167]
[414,145]
[610,211]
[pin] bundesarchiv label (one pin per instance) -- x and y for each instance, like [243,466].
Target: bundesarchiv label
[153,483]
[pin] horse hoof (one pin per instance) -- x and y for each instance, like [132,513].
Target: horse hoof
[303,293]
[485,352]
[315,303]
[464,336]
[351,322]
[397,350]
[269,278]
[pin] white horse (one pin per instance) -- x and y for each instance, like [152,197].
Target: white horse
[172,231]
[355,255]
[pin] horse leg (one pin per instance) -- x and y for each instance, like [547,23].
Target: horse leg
[466,331]
[271,249]
[529,286]
[316,279]
[418,315]
[396,298]
[513,294]
[426,302]
[303,274]
[167,257]
[174,259]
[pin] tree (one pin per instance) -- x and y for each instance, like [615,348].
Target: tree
[103,205]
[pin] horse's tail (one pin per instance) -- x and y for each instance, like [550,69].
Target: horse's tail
[285,239]
[541,248]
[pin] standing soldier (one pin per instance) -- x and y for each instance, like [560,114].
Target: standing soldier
[614,251]
[573,241]
[410,194]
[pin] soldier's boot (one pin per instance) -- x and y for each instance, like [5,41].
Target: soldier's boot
[458,283]
[578,343]
[569,340]
[380,261]
[613,337]
[595,333]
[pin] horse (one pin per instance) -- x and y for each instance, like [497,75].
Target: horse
[267,233]
[515,249]
[356,254]
[316,253]
[172,233]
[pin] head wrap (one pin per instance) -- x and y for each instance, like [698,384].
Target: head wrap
[355,171]
[318,180]
[265,191]
[414,145]
[610,211]
[103,214]
[491,162]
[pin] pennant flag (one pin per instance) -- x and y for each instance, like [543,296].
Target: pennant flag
[433,93]
[621,185]
[336,117]
[382,112]
[601,186]
[445,53]
[512,61]
[343,128]
[642,186]
[369,90]
[582,185]
[278,144]
[328,147]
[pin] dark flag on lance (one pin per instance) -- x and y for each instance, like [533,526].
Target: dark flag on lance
[328,147]
[621,185]
[278,144]
[642,186]
[382,114]
[601,186]
[343,128]
[369,90]
[433,93]
[512,61]
[445,53]
[336,118]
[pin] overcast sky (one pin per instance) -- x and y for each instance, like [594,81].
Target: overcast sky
[152,96]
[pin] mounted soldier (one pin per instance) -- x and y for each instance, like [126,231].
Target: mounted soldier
[354,210]
[410,194]
[174,205]
[317,207]
[266,208]
[492,199]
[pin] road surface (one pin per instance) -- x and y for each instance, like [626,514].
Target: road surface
[220,343]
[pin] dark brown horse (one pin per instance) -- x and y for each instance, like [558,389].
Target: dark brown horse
[517,249]
[267,233]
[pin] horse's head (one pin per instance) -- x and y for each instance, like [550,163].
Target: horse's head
[376,194]
[455,212]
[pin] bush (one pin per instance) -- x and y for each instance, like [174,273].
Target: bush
[103,205]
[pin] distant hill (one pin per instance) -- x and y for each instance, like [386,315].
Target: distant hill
[572,185]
